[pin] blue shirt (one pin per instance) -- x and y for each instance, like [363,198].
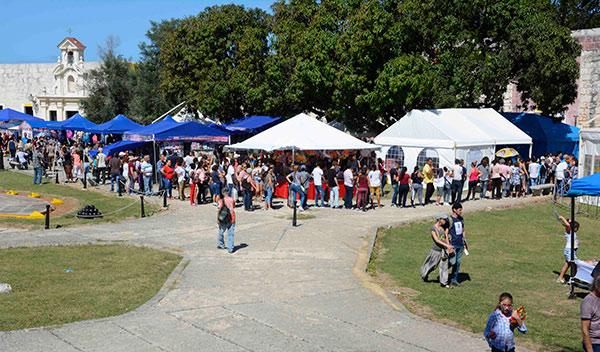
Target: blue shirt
[456,231]
[505,336]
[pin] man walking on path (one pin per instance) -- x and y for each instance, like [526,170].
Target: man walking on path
[38,166]
[115,172]
[429,176]
[226,220]
[458,239]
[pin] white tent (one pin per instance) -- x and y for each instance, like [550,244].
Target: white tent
[302,132]
[447,134]
[589,151]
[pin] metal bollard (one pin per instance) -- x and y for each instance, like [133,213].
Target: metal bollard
[164,198]
[56,177]
[294,217]
[84,180]
[47,227]
[142,203]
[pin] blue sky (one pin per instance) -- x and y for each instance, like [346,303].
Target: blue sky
[30,30]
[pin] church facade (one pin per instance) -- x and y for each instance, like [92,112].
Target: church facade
[51,91]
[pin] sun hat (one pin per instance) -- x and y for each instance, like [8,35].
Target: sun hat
[441,216]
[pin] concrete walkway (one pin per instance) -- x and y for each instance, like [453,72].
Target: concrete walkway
[284,289]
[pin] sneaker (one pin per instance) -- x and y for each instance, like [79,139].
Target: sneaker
[563,281]
[219,247]
[301,209]
[446,203]
[393,205]
[456,283]
[447,286]
[215,204]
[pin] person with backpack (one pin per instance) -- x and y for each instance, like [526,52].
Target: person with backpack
[226,220]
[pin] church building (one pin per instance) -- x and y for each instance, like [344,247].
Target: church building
[51,91]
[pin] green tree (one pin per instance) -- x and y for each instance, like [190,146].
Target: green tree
[110,86]
[148,101]
[215,61]
[578,14]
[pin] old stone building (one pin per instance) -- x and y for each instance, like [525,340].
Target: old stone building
[585,111]
[51,91]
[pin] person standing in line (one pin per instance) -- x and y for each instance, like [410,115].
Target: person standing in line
[438,256]
[215,185]
[590,318]
[101,166]
[131,174]
[428,173]
[194,179]
[159,165]
[295,180]
[394,181]
[317,174]
[534,174]
[146,170]
[404,187]
[439,186]
[38,165]
[457,177]
[505,177]
[499,330]
[115,172]
[496,174]
[484,176]
[447,185]
[167,173]
[349,187]
[248,187]
[334,188]
[180,172]
[67,164]
[305,176]
[270,184]
[458,238]
[417,186]
[474,175]
[374,179]
[226,220]
[362,189]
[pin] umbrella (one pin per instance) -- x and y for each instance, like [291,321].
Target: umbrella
[507,153]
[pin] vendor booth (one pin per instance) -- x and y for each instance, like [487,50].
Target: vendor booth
[302,133]
[547,136]
[13,115]
[118,125]
[74,123]
[146,133]
[445,135]
[252,124]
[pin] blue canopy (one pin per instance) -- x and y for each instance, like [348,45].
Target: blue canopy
[117,147]
[10,114]
[586,186]
[146,133]
[119,125]
[192,131]
[74,123]
[252,124]
[547,136]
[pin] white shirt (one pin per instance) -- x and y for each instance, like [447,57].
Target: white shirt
[534,170]
[230,173]
[317,175]
[375,178]
[458,171]
[348,178]
[180,174]
[188,160]
[146,169]
[560,170]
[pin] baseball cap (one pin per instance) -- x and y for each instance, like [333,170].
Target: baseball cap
[441,216]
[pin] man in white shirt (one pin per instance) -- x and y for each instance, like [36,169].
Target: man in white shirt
[534,173]
[457,184]
[375,183]
[146,169]
[189,159]
[317,175]
[560,175]
[349,188]
[229,176]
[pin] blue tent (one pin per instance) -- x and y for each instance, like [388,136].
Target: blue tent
[117,147]
[253,124]
[10,114]
[192,131]
[146,133]
[74,123]
[586,186]
[547,136]
[119,125]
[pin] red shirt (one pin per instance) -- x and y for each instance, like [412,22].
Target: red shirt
[168,172]
[404,180]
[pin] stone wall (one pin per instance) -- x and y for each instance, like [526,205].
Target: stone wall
[18,81]
[587,105]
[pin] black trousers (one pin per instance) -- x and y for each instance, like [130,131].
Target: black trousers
[497,188]
[429,192]
[403,190]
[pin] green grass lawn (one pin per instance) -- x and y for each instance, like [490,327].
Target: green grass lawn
[11,180]
[106,280]
[518,250]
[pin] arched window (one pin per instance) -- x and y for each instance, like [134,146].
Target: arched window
[474,155]
[394,155]
[71,84]
[70,57]
[426,154]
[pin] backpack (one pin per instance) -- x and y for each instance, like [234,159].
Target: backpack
[246,185]
[224,215]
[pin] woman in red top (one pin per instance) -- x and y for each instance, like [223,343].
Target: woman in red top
[167,172]
[362,190]
[403,186]
[474,174]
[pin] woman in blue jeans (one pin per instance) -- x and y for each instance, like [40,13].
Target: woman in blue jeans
[270,184]
[295,180]
[417,186]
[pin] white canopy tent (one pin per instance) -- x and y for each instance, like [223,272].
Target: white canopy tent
[302,132]
[447,134]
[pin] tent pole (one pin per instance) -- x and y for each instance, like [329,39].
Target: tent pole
[572,293]
[530,148]
[154,157]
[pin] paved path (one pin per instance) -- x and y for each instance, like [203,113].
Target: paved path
[287,289]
